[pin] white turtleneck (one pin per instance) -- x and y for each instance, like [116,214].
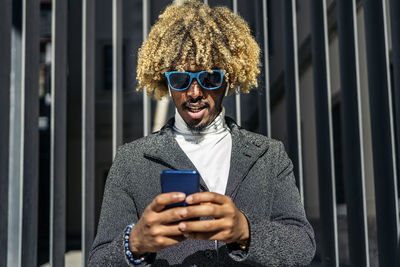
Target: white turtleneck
[209,150]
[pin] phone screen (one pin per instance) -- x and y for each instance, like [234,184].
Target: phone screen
[180,181]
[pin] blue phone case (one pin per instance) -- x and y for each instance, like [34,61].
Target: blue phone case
[180,181]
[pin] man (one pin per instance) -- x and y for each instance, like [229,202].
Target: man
[250,208]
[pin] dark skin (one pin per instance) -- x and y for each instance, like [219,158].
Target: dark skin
[197,106]
[155,229]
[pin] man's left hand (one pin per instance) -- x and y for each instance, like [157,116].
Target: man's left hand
[229,224]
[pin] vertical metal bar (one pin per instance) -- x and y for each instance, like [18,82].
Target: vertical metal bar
[146,100]
[382,131]
[15,180]
[259,11]
[30,130]
[117,74]
[5,70]
[88,126]
[266,70]
[353,156]
[323,120]
[206,2]
[58,133]
[292,91]
[395,25]
[237,96]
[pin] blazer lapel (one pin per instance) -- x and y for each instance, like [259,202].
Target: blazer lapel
[168,153]
[245,153]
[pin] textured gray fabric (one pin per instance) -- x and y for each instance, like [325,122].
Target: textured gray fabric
[261,184]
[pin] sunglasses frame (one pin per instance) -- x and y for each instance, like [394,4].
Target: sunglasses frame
[195,75]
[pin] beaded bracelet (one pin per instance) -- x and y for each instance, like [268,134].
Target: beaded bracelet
[128,252]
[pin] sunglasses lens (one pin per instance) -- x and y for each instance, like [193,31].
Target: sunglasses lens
[179,80]
[210,80]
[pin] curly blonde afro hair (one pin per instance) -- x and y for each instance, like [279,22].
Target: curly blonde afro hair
[190,32]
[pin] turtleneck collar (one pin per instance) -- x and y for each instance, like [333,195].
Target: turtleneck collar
[215,140]
[217,126]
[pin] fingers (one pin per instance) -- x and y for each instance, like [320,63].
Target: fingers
[173,215]
[202,230]
[204,210]
[160,201]
[207,230]
[221,229]
[212,197]
[166,230]
[154,230]
[208,207]
[203,226]
[152,239]
[152,219]
[182,213]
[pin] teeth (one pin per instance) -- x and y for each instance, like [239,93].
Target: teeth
[195,108]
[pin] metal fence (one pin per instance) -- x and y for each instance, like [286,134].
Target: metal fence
[19,117]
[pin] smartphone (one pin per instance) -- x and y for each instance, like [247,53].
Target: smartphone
[179,181]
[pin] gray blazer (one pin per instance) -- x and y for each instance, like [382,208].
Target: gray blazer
[261,184]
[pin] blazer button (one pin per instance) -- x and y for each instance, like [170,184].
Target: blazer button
[209,254]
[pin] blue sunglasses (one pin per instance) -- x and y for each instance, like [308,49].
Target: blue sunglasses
[181,80]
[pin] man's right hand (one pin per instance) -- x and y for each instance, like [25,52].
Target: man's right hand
[155,229]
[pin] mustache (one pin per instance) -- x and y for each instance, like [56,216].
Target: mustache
[198,101]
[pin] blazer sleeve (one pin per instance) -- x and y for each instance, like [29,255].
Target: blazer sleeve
[117,212]
[286,238]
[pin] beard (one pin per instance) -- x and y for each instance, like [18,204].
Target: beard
[198,128]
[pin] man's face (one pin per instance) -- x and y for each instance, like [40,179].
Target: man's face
[197,106]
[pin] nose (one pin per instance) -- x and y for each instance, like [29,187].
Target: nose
[194,91]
